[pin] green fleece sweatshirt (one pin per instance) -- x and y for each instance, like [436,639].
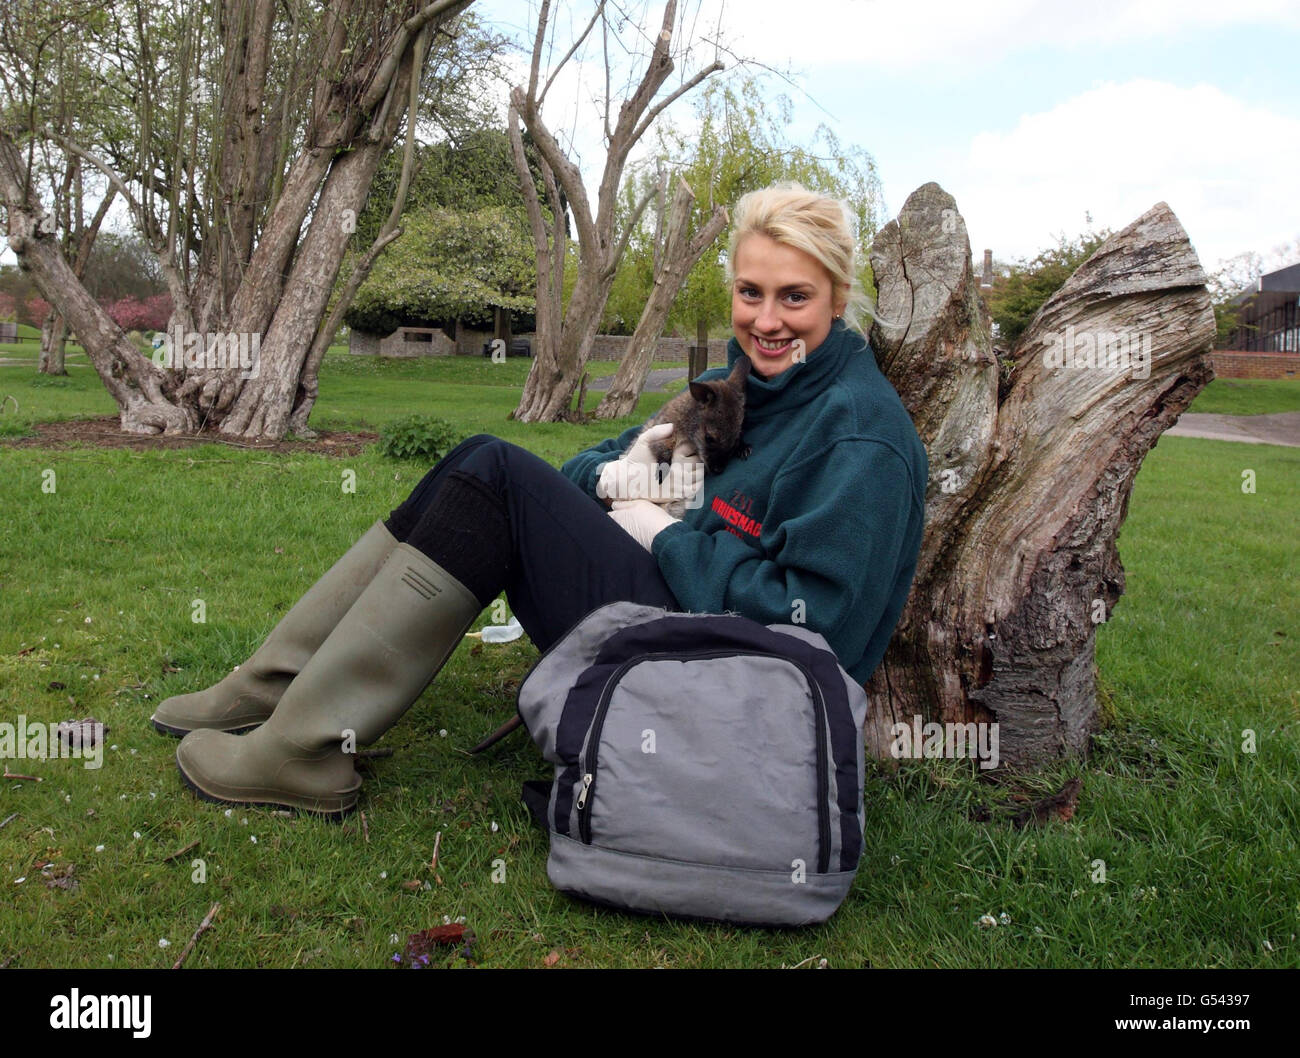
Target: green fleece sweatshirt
[821,525]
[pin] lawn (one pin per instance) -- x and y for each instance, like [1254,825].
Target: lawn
[1181,852]
[1248,396]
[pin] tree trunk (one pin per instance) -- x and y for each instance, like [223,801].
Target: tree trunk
[700,354]
[309,378]
[1030,475]
[134,381]
[677,259]
[501,327]
[265,403]
[548,390]
[54,340]
[564,340]
[274,292]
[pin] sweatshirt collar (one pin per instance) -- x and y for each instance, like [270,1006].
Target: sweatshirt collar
[800,382]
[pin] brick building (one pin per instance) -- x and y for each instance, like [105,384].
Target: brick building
[1267,341]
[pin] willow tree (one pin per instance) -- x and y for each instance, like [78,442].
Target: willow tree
[738,145]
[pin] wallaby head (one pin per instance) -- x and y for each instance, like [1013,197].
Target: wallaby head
[720,414]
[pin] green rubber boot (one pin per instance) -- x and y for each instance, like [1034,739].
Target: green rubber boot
[367,673]
[247,696]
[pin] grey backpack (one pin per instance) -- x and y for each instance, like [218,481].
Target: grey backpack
[706,766]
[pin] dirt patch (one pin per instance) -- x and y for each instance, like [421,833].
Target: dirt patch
[106,432]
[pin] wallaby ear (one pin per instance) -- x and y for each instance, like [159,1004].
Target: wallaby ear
[703,392]
[742,369]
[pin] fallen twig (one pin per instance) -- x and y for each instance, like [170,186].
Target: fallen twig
[8,819]
[14,775]
[204,926]
[365,829]
[437,844]
[180,852]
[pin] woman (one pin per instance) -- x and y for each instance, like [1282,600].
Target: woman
[821,525]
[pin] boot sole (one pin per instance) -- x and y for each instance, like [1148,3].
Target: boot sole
[181,732]
[333,815]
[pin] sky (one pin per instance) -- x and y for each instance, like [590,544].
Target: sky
[1034,115]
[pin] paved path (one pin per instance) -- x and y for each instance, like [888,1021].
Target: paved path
[1282,428]
[654,382]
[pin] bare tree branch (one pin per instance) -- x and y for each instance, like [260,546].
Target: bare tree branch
[658,108]
[628,228]
[600,7]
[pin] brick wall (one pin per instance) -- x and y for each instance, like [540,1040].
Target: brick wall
[470,343]
[607,346]
[417,341]
[1235,364]
[363,343]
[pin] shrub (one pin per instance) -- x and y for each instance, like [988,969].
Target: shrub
[1017,297]
[418,437]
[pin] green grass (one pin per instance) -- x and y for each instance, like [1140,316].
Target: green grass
[1248,396]
[1198,837]
[356,393]
[48,398]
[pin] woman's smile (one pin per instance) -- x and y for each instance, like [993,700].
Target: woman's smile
[773,346]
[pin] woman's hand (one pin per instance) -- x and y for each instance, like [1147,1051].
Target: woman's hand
[642,519]
[685,477]
[628,478]
[636,475]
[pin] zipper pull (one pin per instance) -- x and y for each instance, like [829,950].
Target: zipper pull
[586,789]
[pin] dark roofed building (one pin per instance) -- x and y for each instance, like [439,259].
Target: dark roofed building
[1270,314]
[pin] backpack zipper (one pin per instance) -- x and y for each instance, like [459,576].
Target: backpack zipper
[602,707]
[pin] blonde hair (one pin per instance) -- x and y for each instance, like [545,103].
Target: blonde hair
[819,225]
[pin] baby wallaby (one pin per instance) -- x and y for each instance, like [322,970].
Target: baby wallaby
[708,416]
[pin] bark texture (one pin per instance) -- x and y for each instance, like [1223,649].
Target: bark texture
[673,260]
[1031,468]
[565,334]
[274,232]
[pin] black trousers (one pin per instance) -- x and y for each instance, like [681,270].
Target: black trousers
[567,555]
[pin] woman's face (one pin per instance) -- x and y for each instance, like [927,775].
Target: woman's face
[782,303]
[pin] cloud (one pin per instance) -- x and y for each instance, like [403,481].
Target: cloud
[1117,149]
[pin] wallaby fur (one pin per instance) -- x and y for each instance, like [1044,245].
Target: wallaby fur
[708,415]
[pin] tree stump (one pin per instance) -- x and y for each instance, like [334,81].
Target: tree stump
[1031,465]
